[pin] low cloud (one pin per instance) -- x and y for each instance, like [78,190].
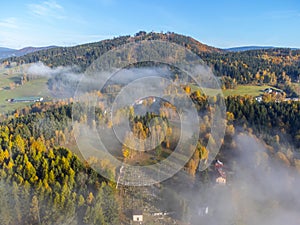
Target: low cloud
[62,81]
[41,70]
[260,190]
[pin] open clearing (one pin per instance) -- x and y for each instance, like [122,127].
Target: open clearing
[251,90]
[36,87]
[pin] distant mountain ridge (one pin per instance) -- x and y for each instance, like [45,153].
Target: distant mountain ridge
[9,52]
[2,49]
[249,48]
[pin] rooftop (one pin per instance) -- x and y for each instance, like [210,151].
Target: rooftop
[137,212]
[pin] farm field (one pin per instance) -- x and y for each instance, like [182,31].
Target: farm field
[251,90]
[11,77]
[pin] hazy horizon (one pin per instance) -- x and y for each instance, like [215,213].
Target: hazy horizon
[218,24]
[108,38]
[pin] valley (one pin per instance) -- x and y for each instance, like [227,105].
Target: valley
[75,149]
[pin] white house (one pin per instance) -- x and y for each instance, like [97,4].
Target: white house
[137,216]
[258,98]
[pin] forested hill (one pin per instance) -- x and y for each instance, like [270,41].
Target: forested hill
[83,55]
[277,67]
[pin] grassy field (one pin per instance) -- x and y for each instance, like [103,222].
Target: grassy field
[251,90]
[37,87]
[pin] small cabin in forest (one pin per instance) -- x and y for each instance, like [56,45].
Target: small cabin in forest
[137,216]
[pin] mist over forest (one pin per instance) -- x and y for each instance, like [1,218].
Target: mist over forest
[83,145]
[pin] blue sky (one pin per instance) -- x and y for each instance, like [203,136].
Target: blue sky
[216,23]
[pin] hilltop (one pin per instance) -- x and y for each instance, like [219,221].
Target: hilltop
[84,54]
[278,67]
